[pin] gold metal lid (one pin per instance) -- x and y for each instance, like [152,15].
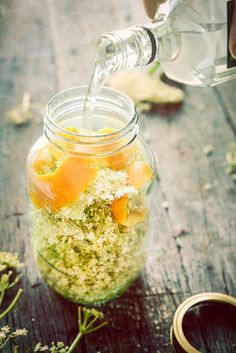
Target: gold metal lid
[179,342]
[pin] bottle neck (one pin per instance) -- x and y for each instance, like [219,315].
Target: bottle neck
[137,46]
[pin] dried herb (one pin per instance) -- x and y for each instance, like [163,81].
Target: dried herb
[23,113]
[145,88]
[6,335]
[9,261]
[89,320]
[208,150]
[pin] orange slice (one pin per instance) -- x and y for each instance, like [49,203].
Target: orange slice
[120,214]
[119,208]
[139,173]
[117,160]
[135,217]
[62,186]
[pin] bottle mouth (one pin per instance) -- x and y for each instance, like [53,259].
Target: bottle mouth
[112,126]
[111,49]
[106,51]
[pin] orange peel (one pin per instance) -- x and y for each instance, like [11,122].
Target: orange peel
[119,208]
[63,185]
[139,173]
[118,160]
[120,213]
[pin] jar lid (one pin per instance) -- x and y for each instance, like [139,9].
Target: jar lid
[179,341]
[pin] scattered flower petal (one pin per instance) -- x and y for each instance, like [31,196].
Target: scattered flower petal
[208,150]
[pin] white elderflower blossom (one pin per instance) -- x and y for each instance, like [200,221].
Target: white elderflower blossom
[5,329]
[20,332]
[40,348]
[2,335]
[9,260]
[111,184]
[82,252]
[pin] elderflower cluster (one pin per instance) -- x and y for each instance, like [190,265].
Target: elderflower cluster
[3,332]
[108,186]
[57,347]
[6,334]
[81,251]
[9,260]
[20,332]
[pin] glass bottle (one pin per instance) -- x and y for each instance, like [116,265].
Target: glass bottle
[89,191]
[188,37]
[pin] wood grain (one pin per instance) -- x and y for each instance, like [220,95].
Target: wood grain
[50,45]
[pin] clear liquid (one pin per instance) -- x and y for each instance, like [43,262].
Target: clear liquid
[97,80]
[201,60]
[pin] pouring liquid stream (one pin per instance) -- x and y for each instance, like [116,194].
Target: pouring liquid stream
[99,76]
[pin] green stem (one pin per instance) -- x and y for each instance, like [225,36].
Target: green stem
[91,322]
[75,342]
[16,349]
[5,342]
[15,281]
[11,306]
[97,327]
[79,316]
[85,319]
[1,296]
[153,68]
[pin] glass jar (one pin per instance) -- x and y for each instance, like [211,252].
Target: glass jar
[89,184]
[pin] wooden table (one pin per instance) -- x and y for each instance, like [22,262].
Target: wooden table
[49,45]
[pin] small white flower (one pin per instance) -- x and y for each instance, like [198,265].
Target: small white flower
[2,335]
[5,329]
[108,183]
[40,348]
[126,190]
[20,332]
[60,344]
[90,200]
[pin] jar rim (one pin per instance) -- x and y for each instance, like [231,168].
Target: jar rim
[133,121]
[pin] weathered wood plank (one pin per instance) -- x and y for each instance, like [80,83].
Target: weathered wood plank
[26,66]
[207,216]
[26,62]
[138,325]
[226,93]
